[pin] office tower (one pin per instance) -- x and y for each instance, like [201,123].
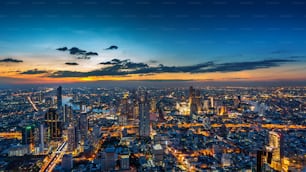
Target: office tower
[158,154]
[83,125]
[124,162]
[191,94]
[259,161]
[212,105]
[28,137]
[41,97]
[77,137]
[193,109]
[153,105]
[71,139]
[144,114]
[135,110]
[192,103]
[59,98]
[53,123]
[274,150]
[108,159]
[41,138]
[67,162]
[198,100]
[124,111]
[206,105]
[65,113]
[124,105]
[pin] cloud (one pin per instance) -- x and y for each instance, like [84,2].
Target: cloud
[34,71]
[153,61]
[72,63]
[126,67]
[78,53]
[112,47]
[10,60]
[112,62]
[91,53]
[241,66]
[62,49]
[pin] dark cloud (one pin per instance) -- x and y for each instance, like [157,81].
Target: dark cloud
[113,62]
[71,63]
[112,47]
[126,67]
[241,66]
[34,71]
[79,53]
[107,63]
[10,60]
[91,53]
[62,49]
[76,51]
[116,60]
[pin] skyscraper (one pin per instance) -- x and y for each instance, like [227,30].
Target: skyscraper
[144,114]
[274,150]
[53,123]
[41,137]
[28,136]
[59,98]
[191,95]
[194,101]
[83,125]
[71,139]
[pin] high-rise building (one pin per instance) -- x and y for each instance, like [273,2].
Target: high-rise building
[198,100]
[144,114]
[41,138]
[212,104]
[158,154]
[83,125]
[41,97]
[194,101]
[274,150]
[67,162]
[59,98]
[135,110]
[28,137]
[124,111]
[53,123]
[153,105]
[205,105]
[71,139]
[124,162]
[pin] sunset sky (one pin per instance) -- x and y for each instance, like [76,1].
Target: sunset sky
[79,41]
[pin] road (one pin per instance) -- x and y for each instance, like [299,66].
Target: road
[56,157]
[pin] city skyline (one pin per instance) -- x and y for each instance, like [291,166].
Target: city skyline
[49,42]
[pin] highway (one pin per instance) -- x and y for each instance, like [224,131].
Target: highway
[32,104]
[55,158]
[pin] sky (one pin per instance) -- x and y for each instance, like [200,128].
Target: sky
[68,41]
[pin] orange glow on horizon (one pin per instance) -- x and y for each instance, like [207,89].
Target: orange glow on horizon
[268,74]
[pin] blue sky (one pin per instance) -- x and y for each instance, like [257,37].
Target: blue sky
[171,32]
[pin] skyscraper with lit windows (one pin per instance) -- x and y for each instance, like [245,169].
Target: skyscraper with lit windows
[53,123]
[59,98]
[144,114]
